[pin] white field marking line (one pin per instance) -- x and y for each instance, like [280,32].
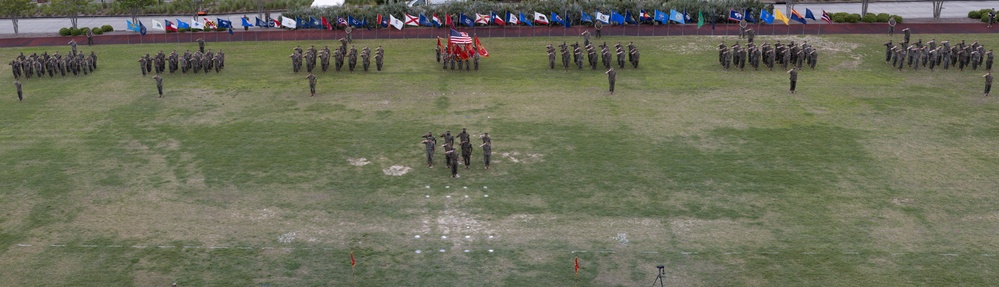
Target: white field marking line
[809,253]
[649,252]
[606,251]
[58,245]
[579,251]
[851,253]
[949,254]
[89,246]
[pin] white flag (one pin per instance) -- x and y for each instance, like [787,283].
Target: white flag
[288,22]
[197,25]
[540,18]
[395,22]
[158,26]
[603,17]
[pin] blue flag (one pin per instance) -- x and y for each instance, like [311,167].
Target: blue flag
[424,21]
[259,23]
[585,18]
[749,16]
[230,30]
[556,19]
[797,17]
[353,22]
[224,23]
[615,17]
[385,21]
[524,20]
[628,19]
[809,15]
[766,17]
[182,25]
[734,16]
[468,21]
[246,23]
[315,23]
[686,17]
[661,17]
[676,16]
[364,23]
[142,29]
[131,26]
[644,16]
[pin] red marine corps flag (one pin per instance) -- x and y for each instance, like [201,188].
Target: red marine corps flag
[482,50]
[577,265]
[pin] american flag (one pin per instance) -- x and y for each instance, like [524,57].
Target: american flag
[459,37]
[825,17]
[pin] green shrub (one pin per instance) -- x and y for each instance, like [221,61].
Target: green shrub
[975,14]
[65,32]
[837,18]
[985,17]
[883,17]
[853,18]
[75,31]
[84,30]
[898,19]
[182,30]
[107,28]
[98,31]
[869,18]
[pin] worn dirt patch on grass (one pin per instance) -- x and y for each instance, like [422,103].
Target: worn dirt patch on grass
[397,170]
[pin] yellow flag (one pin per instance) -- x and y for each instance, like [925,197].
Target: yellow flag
[780,16]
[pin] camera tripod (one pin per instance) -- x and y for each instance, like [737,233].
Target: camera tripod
[659,276]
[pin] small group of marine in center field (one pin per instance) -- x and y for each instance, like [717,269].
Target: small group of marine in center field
[451,153]
[790,55]
[341,56]
[930,55]
[591,55]
[195,62]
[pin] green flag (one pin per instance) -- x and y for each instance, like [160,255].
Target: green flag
[700,19]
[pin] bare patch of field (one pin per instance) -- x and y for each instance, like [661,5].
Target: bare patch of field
[397,170]
[701,233]
[358,161]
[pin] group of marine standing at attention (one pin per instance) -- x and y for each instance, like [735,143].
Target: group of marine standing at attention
[790,55]
[451,154]
[38,65]
[930,55]
[341,57]
[591,56]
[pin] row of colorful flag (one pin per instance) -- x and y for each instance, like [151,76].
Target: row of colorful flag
[510,18]
[769,18]
[171,26]
[530,19]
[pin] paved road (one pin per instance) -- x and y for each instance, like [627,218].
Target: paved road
[908,10]
[52,25]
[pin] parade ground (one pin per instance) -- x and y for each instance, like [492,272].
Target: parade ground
[866,176]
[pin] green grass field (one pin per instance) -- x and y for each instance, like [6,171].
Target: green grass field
[865,177]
